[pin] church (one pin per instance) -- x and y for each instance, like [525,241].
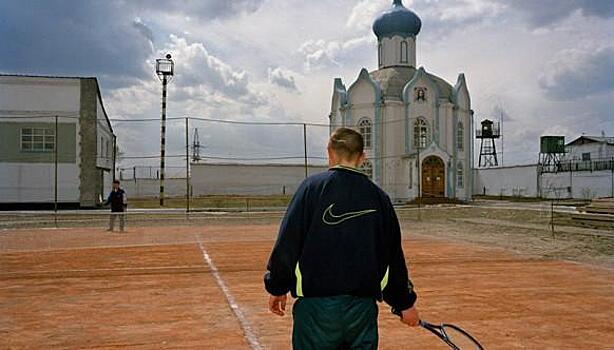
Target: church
[417,127]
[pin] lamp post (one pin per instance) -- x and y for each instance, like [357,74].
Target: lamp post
[165,68]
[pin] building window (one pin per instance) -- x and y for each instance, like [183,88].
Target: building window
[403,51]
[421,133]
[108,150]
[586,157]
[380,56]
[367,168]
[364,127]
[460,176]
[460,136]
[37,140]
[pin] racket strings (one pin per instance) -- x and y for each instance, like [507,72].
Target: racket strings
[461,340]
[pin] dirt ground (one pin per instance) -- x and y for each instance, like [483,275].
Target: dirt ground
[153,288]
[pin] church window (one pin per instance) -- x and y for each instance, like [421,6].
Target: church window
[460,136]
[421,133]
[367,168]
[460,175]
[404,52]
[365,129]
[380,56]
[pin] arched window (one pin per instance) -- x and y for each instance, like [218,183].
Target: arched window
[403,51]
[459,175]
[367,168]
[460,136]
[421,133]
[364,127]
[380,56]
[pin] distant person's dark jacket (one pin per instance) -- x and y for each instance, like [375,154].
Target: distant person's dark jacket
[340,236]
[118,201]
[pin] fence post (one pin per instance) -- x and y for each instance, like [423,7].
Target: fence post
[114,155]
[305,147]
[187,166]
[55,170]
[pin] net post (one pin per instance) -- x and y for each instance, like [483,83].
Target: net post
[305,148]
[187,167]
[55,170]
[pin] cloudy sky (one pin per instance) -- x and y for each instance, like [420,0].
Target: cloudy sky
[546,66]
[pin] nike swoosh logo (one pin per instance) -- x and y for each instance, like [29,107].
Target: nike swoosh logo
[331,219]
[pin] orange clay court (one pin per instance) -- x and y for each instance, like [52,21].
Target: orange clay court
[200,287]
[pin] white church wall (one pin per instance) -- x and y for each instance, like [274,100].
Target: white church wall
[393,131]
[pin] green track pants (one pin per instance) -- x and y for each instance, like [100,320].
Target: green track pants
[332,323]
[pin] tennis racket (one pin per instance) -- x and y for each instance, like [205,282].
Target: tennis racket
[454,336]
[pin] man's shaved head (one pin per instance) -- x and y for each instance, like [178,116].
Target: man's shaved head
[346,143]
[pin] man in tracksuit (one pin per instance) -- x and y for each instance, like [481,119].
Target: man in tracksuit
[119,203]
[338,252]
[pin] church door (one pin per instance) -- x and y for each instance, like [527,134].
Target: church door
[433,177]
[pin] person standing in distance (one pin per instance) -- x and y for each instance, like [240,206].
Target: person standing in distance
[338,252]
[119,204]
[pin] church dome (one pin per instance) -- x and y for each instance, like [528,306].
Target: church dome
[397,21]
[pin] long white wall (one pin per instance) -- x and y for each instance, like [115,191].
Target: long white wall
[506,181]
[150,188]
[242,179]
[523,181]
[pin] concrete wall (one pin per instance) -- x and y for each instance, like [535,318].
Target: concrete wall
[34,183]
[242,179]
[581,185]
[150,188]
[523,181]
[507,181]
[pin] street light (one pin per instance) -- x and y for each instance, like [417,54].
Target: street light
[165,69]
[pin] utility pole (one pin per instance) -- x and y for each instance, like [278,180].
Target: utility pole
[305,147]
[187,166]
[55,170]
[164,70]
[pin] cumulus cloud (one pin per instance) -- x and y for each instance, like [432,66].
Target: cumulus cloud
[145,31]
[324,54]
[195,66]
[577,73]
[202,9]
[364,13]
[546,12]
[282,77]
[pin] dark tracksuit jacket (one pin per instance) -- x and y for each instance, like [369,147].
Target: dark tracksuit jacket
[117,199]
[340,236]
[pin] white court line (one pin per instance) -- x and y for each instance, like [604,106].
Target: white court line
[250,336]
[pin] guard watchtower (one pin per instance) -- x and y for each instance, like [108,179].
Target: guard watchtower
[551,149]
[488,133]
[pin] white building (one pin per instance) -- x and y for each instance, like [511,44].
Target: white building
[417,127]
[590,148]
[29,106]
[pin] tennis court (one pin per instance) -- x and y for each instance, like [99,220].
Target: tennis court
[199,286]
